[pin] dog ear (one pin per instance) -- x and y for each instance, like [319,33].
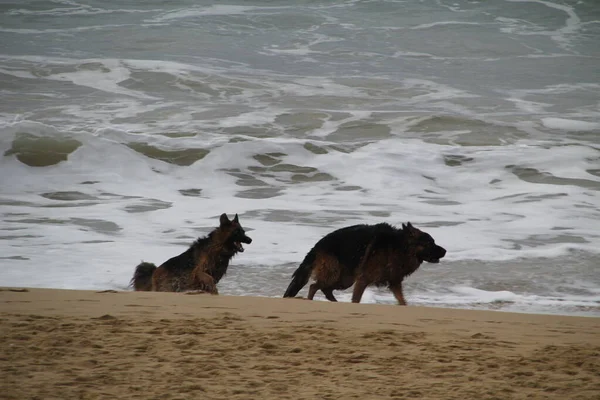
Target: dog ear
[235,219]
[224,220]
[408,228]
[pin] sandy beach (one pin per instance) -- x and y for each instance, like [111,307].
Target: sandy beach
[69,344]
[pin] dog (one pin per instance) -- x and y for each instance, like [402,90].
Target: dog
[364,255]
[200,267]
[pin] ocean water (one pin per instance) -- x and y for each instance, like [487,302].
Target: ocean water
[128,127]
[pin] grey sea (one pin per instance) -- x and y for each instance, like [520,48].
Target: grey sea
[128,127]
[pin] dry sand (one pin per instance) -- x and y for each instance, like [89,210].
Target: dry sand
[63,344]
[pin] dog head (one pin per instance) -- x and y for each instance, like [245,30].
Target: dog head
[426,249]
[234,233]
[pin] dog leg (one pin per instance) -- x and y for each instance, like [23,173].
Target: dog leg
[199,292]
[359,289]
[203,281]
[397,291]
[329,294]
[312,290]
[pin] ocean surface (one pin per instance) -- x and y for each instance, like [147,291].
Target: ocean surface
[127,127]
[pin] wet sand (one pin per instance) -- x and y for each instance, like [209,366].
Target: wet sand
[67,344]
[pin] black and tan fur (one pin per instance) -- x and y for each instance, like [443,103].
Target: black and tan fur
[200,267]
[364,255]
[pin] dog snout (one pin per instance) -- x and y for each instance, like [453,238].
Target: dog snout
[247,240]
[440,251]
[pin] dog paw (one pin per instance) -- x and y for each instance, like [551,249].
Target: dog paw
[199,291]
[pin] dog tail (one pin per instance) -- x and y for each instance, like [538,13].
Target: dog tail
[142,277]
[301,275]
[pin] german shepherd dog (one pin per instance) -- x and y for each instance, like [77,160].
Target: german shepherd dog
[364,255]
[200,267]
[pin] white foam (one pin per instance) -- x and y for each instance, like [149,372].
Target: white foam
[105,80]
[249,119]
[18,73]
[509,301]
[401,54]
[217,9]
[570,124]
[298,51]
[394,174]
[443,23]
[77,9]
[436,91]
[527,106]
[317,86]
[25,31]
[561,36]
[473,295]
[306,49]
[330,126]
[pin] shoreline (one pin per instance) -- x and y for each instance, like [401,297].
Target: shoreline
[112,344]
